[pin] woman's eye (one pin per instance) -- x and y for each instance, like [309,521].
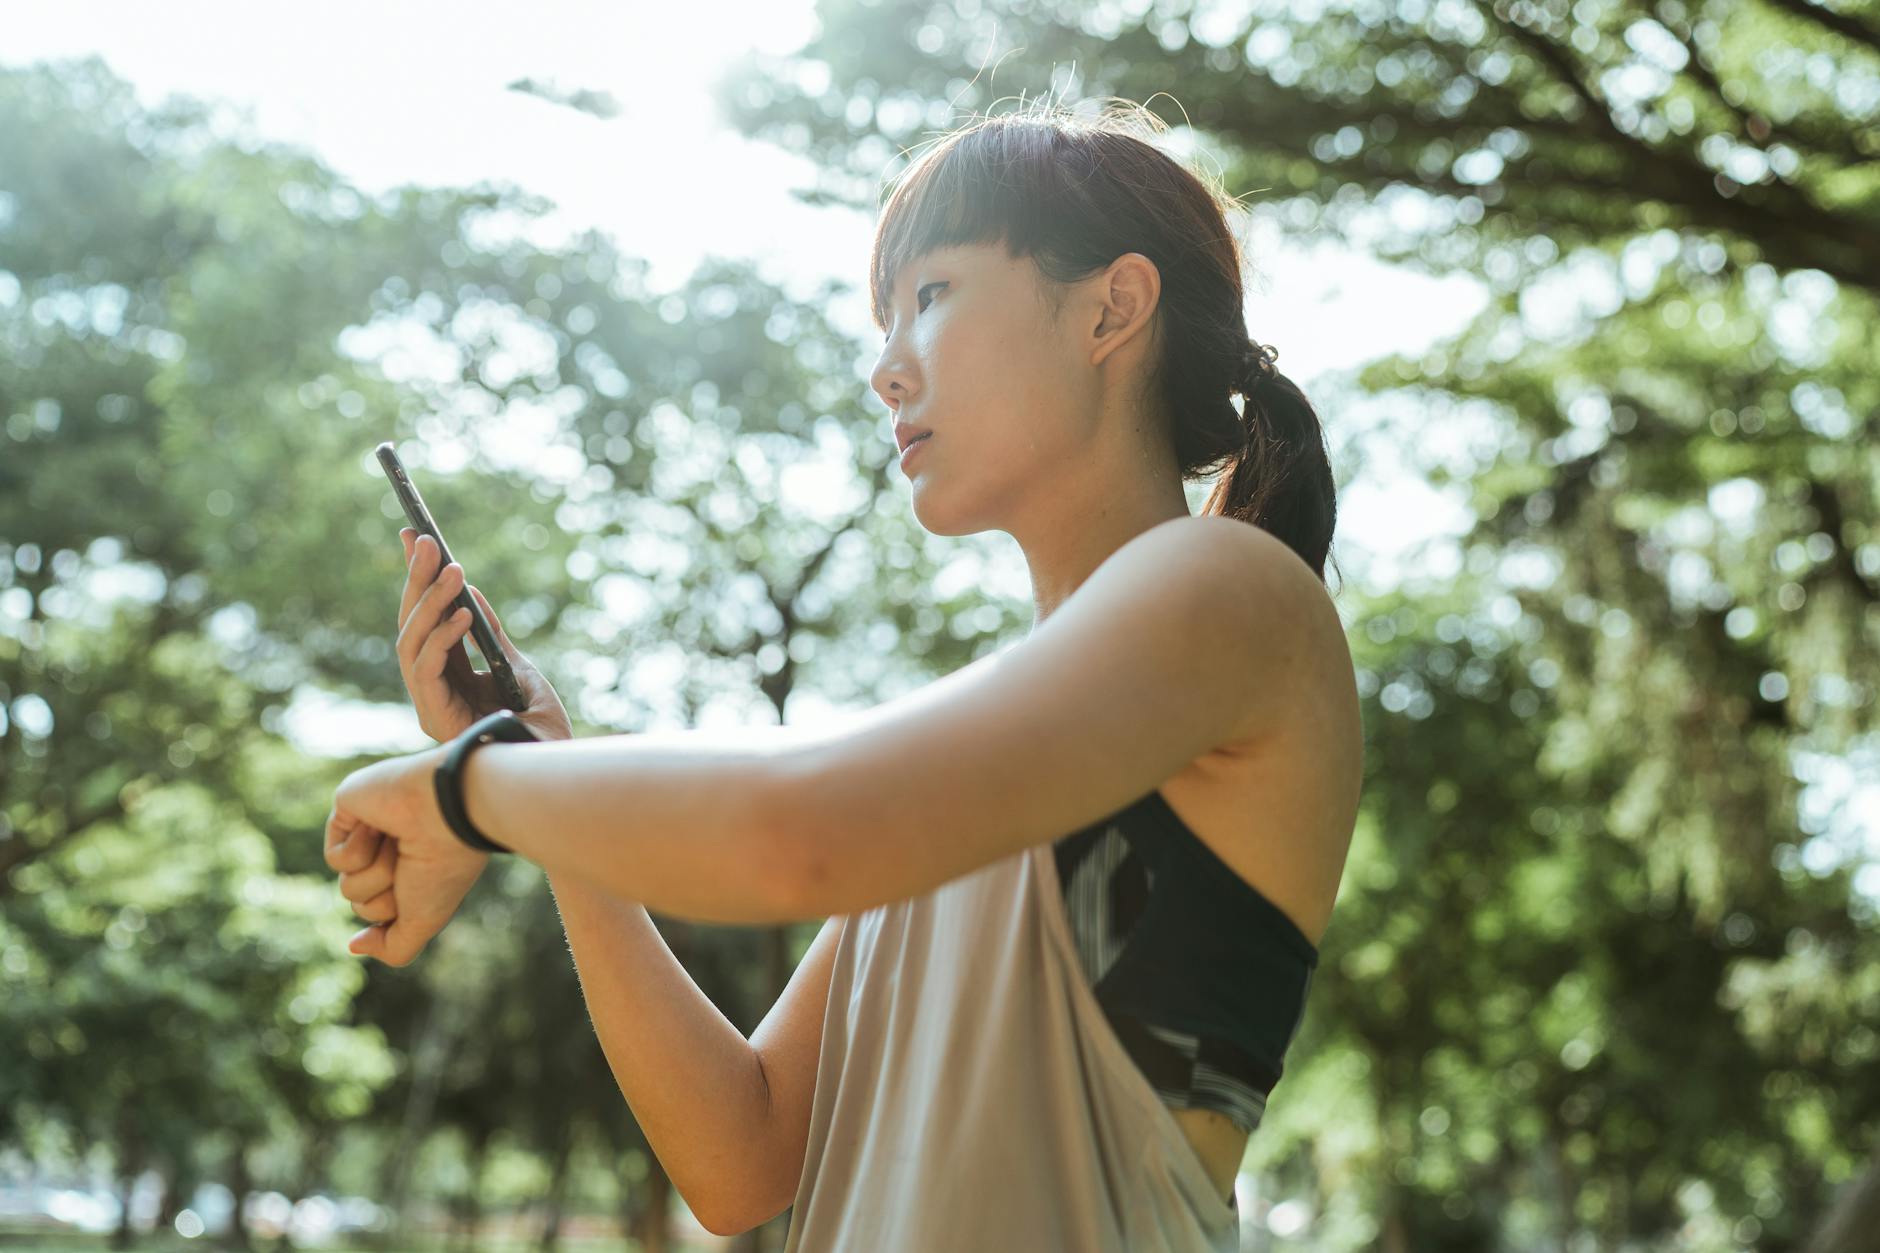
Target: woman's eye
[919,307]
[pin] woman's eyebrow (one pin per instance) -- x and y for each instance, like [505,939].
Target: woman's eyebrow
[905,274]
[901,278]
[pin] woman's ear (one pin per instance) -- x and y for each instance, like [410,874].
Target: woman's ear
[1126,295]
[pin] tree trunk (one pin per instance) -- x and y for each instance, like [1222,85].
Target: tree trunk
[1560,1188]
[130,1165]
[652,1225]
[312,1166]
[472,1204]
[1855,1216]
[314,1159]
[628,1198]
[121,1238]
[169,1200]
[465,1208]
[1395,1236]
[239,1183]
[557,1191]
[436,1041]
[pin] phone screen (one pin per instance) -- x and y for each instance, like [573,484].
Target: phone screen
[479,622]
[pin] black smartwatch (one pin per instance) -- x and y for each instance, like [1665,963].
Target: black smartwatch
[448,778]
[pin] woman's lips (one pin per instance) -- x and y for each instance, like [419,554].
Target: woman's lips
[914,443]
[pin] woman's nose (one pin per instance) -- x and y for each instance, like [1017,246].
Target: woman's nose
[892,383]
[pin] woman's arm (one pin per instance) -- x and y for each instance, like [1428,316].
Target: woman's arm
[693,823]
[695,1084]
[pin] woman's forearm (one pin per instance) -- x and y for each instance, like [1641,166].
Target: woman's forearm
[694,1082]
[692,823]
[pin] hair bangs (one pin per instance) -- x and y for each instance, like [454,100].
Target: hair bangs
[988,184]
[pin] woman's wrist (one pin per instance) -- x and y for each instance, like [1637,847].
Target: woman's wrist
[480,780]
[548,722]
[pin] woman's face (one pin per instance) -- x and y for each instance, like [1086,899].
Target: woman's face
[973,355]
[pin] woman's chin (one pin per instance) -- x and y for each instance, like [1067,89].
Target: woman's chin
[936,519]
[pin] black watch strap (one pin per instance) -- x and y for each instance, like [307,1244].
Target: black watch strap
[502,725]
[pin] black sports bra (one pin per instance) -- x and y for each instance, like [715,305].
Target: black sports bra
[1202,978]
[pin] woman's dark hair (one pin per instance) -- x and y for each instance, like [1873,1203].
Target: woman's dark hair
[1075,193]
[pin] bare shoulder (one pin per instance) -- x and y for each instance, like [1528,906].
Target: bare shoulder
[1295,614]
[1278,802]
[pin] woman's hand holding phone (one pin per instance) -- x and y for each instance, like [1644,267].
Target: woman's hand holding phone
[447,692]
[402,868]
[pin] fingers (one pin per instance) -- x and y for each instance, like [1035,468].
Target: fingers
[351,845]
[395,943]
[421,558]
[436,652]
[427,611]
[339,827]
[381,908]
[370,942]
[417,573]
[372,878]
[366,861]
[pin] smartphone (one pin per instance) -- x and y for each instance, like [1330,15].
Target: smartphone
[479,621]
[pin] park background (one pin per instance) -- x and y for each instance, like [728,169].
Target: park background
[1584,293]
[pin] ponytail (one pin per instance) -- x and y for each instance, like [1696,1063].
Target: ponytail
[1281,479]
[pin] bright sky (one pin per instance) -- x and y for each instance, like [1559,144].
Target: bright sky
[415,93]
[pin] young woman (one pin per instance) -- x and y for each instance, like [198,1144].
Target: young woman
[1074,890]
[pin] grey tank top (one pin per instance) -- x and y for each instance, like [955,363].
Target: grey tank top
[971,1095]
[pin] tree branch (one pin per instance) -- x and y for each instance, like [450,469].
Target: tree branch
[1752,125]
[1845,25]
[1774,217]
[18,852]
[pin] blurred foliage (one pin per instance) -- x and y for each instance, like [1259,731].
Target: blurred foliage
[201,340]
[1599,977]
[1596,976]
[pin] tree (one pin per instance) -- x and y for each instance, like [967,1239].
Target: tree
[1579,904]
[201,339]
